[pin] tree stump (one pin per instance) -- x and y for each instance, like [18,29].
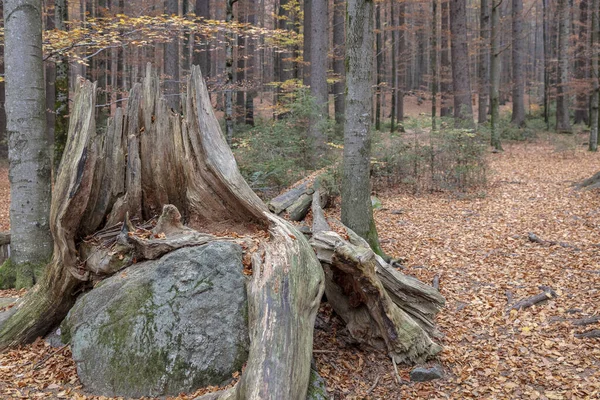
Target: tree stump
[154,163]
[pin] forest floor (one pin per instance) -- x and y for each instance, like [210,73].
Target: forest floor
[479,247]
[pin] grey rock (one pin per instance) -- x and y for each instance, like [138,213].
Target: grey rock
[163,327]
[317,389]
[421,374]
[54,338]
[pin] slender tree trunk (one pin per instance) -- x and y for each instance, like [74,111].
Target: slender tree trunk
[171,62]
[240,71]
[563,123]
[518,53]
[581,65]
[394,100]
[379,61]
[595,73]
[229,73]
[319,44]
[307,45]
[357,212]
[484,61]
[30,165]
[402,57]
[446,68]
[434,72]
[461,78]
[339,39]
[495,74]
[546,36]
[202,57]
[250,49]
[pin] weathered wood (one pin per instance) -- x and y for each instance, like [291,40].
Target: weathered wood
[591,334]
[356,293]
[319,221]
[280,203]
[299,209]
[586,321]
[4,238]
[547,294]
[592,182]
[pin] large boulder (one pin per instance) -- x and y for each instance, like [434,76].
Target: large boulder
[163,327]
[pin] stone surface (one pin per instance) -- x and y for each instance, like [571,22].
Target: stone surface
[163,327]
[317,389]
[421,374]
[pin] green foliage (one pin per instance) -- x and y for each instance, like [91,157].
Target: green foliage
[275,154]
[8,275]
[450,159]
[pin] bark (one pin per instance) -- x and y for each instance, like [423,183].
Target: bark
[581,65]
[434,75]
[461,79]
[61,87]
[547,293]
[595,73]
[229,75]
[374,313]
[339,70]
[202,57]
[171,62]
[379,61]
[446,67]
[518,70]
[30,164]
[563,124]
[484,61]
[547,52]
[394,61]
[319,44]
[307,45]
[357,213]
[495,75]
[402,61]
[250,49]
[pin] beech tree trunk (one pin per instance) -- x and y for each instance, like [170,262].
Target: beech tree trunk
[29,156]
[563,123]
[461,79]
[434,73]
[595,73]
[319,44]
[339,40]
[445,68]
[484,61]
[518,70]
[357,212]
[495,75]
[582,66]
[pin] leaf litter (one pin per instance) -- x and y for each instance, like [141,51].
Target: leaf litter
[479,247]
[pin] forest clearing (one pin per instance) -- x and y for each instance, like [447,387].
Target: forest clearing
[479,248]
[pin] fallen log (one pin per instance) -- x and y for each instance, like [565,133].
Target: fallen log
[547,293]
[280,203]
[587,335]
[586,321]
[592,182]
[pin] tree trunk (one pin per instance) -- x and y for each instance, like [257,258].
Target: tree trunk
[461,79]
[595,14]
[61,87]
[484,61]
[229,75]
[319,44]
[339,39]
[546,36]
[307,45]
[394,61]
[434,74]
[402,57]
[495,75]
[446,67]
[379,61]
[563,124]
[581,65]
[171,62]
[30,164]
[518,53]
[357,212]
[250,48]
[202,58]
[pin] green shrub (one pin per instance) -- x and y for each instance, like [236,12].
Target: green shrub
[446,160]
[275,154]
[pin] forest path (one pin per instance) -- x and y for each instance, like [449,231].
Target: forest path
[480,248]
